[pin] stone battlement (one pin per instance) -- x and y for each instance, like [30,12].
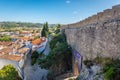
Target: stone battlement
[96,35]
[99,17]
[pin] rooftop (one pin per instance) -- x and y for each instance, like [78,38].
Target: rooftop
[11,57]
[37,41]
[5,50]
[23,50]
[7,53]
[25,38]
[5,43]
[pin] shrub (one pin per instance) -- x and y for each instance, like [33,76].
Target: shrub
[88,63]
[112,70]
[50,76]
[60,54]
[58,38]
[56,55]
[109,73]
[101,60]
[5,38]
[34,57]
[9,73]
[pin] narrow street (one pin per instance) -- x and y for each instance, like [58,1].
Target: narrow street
[47,49]
[34,72]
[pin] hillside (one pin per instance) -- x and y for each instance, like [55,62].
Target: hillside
[19,24]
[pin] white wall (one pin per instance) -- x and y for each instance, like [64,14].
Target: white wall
[4,62]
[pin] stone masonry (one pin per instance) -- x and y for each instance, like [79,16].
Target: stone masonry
[98,35]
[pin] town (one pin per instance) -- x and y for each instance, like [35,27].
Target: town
[15,47]
[60,40]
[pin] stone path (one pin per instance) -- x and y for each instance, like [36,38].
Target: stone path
[34,72]
[47,49]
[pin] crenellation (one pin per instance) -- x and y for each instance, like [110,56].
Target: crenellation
[116,6]
[107,14]
[99,17]
[97,34]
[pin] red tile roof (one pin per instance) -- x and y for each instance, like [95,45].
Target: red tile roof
[25,38]
[37,41]
[24,32]
[5,43]
[11,57]
[5,50]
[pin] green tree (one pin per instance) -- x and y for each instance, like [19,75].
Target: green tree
[34,57]
[57,30]
[9,73]
[5,38]
[60,52]
[45,30]
[46,27]
[111,70]
[57,38]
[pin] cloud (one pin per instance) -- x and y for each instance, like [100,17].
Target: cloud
[68,1]
[75,12]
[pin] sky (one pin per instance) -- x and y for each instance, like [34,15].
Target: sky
[52,11]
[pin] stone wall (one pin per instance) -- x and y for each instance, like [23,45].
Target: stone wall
[99,17]
[98,35]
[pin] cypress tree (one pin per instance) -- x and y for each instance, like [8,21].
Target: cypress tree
[45,30]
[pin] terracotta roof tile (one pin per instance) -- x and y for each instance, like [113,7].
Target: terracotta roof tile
[37,41]
[6,50]
[25,38]
[23,50]
[11,57]
[5,43]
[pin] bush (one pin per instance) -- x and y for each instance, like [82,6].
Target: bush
[5,38]
[56,55]
[41,55]
[111,70]
[9,73]
[111,67]
[88,63]
[103,61]
[34,57]
[57,38]
[60,52]
[50,76]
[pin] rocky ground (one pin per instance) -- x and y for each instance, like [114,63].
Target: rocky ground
[66,76]
[91,73]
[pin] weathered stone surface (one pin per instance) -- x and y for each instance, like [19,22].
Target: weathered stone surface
[98,35]
[92,73]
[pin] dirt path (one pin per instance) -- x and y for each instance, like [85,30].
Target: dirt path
[34,72]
